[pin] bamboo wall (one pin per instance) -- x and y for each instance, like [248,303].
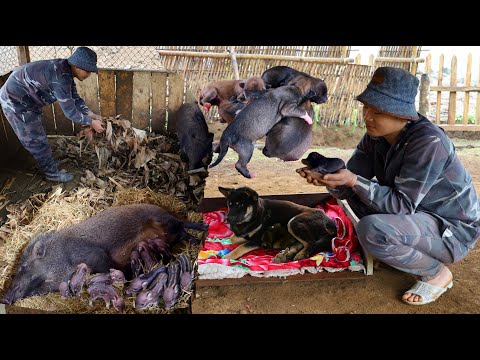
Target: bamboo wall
[344,79]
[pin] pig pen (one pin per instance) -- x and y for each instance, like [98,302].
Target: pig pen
[135,161]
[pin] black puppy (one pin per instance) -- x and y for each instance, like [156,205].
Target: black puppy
[255,222]
[193,135]
[324,165]
[313,88]
[278,76]
[256,120]
[290,138]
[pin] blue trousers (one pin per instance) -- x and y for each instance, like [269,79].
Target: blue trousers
[29,129]
[411,243]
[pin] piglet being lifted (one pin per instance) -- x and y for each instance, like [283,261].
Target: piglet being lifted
[101,242]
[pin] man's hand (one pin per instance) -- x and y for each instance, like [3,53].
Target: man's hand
[97,125]
[94,116]
[341,177]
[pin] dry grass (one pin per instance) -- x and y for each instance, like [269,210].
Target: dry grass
[62,209]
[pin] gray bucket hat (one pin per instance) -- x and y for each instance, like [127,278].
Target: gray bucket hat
[84,58]
[392,91]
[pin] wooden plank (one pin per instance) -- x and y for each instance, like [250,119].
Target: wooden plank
[452,103]
[124,94]
[49,120]
[159,102]
[439,93]
[106,87]
[455,88]
[460,127]
[247,279]
[88,91]
[477,105]
[63,125]
[141,100]
[175,99]
[466,102]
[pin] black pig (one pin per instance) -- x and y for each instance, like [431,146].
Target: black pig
[102,242]
[193,135]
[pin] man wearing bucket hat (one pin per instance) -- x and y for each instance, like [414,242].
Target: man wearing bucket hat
[37,84]
[417,205]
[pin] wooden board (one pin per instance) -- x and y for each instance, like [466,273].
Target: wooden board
[63,124]
[106,85]
[141,100]
[88,91]
[175,99]
[159,102]
[124,94]
[49,120]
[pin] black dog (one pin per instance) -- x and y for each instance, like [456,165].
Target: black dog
[256,120]
[278,76]
[324,165]
[290,138]
[193,135]
[313,89]
[264,223]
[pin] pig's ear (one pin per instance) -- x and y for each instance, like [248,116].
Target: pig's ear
[39,249]
[225,191]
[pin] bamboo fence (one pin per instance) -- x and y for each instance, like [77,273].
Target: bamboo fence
[466,118]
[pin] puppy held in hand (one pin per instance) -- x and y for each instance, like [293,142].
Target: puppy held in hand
[324,165]
[256,120]
[298,231]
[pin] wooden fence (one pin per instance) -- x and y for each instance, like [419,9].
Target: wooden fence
[149,99]
[456,119]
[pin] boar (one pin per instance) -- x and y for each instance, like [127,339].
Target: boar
[102,242]
[193,135]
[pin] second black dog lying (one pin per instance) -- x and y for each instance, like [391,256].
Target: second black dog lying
[322,164]
[299,231]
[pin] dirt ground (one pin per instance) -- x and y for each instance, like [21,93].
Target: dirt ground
[376,294]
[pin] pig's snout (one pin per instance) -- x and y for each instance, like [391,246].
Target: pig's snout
[11,295]
[6,301]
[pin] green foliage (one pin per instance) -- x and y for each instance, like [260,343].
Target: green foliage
[459,119]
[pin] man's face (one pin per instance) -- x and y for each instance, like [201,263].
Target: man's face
[80,74]
[379,124]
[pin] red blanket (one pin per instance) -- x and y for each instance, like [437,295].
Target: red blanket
[344,252]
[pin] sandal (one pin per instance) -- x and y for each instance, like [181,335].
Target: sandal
[428,292]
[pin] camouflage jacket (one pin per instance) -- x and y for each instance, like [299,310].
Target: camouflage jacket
[37,84]
[419,173]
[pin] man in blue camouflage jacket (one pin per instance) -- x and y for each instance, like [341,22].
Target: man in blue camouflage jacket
[417,205]
[37,84]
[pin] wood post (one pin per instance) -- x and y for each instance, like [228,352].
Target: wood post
[424,92]
[466,103]
[234,63]
[23,54]
[439,93]
[452,103]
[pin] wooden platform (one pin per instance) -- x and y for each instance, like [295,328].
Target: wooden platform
[312,199]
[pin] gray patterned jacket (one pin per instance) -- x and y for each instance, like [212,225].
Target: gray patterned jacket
[419,173]
[37,84]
